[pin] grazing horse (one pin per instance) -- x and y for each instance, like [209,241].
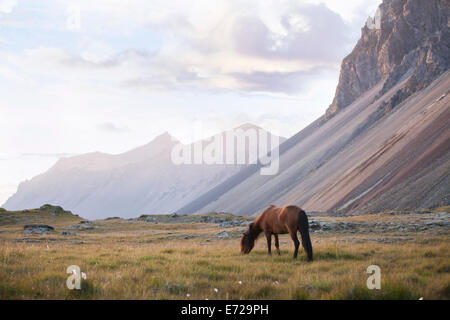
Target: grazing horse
[275,221]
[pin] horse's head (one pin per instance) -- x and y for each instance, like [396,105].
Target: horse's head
[247,240]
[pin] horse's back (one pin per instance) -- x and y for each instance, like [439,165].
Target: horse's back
[281,219]
[290,214]
[273,211]
[293,209]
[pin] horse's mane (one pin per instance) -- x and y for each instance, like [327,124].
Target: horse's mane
[255,233]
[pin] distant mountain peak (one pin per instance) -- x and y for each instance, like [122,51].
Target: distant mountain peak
[248,125]
[163,138]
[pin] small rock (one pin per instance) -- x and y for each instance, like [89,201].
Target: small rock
[79,242]
[38,228]
[314,225]
[81,227]
[232,223]
[208,219]
[222,235]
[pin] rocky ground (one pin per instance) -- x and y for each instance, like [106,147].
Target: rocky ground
[181,257]
[395,221]
[60,225]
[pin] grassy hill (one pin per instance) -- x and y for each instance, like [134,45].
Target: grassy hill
[46,214]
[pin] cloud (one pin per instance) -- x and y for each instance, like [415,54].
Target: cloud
[269,47]
[6,6]
[283,82]
[47,155]
[111,127]
[240,46]
[94,60]
[310,32]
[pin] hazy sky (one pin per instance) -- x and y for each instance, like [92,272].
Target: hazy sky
[110,75]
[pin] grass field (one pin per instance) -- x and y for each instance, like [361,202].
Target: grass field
[131,259]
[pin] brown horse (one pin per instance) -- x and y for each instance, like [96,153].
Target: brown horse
[275,221]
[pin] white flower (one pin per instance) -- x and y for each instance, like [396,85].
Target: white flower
[421,298]
[83,275]
[240,282]
[276,282]
[216,290]
[188,295]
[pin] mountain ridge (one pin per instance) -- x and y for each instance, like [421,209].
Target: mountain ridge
[413,37]
[138,181]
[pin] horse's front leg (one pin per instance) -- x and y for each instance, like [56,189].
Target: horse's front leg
[269,243]
[277,245]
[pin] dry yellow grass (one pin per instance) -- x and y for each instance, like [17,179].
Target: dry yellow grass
[138,260]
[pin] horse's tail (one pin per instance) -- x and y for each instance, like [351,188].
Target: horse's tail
[303,228]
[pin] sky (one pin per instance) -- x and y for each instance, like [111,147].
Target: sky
[110,75]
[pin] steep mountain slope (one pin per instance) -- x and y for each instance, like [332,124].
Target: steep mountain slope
[143,180]
[384,142]
[358,161]
[408,37]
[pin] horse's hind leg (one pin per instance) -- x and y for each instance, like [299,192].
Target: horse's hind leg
[277,244]
[269,243]
[296,242]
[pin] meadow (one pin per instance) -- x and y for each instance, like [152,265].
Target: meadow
[133,259]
